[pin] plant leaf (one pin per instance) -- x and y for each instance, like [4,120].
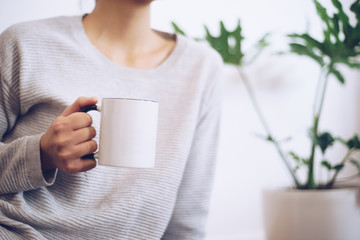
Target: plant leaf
[260,45]
[270,139]
[299,160]
[338,167]
[323,140]
[310,41]
[337,74]
[263,41]
[337,4]
[326,164]
[323,14]
[350,62]
[230,52]
[355,8]
[340,43]
[295,157]
[304,50]
[177,29]
[336,26]
[353,142]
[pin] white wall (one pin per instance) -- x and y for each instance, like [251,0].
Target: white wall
[284,86]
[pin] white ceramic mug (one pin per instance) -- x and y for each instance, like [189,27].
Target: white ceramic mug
[128,130]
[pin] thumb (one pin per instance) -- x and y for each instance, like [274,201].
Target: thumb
[78,104]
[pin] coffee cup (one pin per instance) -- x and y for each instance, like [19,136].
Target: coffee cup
[128,129]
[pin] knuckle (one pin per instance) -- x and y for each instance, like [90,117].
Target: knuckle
[80,99]
[92,146]
[68,167]
[59,148]
[59,125]
[89,119]
[61,142]
[64,155]
[58,143]
[84,118]
[92,132]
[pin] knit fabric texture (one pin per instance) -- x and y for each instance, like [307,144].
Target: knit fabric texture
[45,65]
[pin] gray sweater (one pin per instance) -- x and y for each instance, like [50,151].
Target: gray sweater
[44,66]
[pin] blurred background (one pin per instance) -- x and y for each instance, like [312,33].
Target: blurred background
[284,86]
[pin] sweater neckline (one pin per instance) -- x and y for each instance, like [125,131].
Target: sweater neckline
[167,63]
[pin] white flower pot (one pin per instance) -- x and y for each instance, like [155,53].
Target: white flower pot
[312,214]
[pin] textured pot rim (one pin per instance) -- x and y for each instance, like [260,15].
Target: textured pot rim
[337,188]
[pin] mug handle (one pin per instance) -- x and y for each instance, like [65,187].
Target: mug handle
[87,109]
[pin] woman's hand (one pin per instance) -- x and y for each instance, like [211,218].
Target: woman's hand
[68,138]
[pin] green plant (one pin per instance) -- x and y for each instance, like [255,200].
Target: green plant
[340,45]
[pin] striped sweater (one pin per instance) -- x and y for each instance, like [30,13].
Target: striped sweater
[44,66]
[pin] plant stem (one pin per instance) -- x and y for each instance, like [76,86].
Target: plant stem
[318,87]
[266,127]
[322,96]
[317,113]
[310,180]
[331,183]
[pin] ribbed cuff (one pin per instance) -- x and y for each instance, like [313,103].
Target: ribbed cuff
[34,173]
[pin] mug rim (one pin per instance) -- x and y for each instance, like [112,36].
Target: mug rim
[134,99]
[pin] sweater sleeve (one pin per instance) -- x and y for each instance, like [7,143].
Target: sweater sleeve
[191,209]
[20,163]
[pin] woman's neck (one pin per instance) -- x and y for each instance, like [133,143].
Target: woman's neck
[125,23]
[121,30]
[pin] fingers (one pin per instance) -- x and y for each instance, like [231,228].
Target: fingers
[87,165]
[78,120]
[69,138]
[78,104]
[71,159]
[85,148]
[79,165]
[83,135]
[72,122]
[76,151]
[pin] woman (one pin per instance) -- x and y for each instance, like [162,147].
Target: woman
[47,191]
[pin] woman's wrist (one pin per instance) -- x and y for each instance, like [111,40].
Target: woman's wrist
[46,163]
